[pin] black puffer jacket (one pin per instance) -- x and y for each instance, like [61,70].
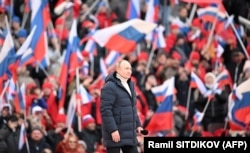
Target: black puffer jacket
[118,110]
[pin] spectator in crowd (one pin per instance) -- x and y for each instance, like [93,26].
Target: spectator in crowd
[194,65]
[245,75]
[56,134]
[9,135]
[89,134]
[69,144]
[83,147]
[36,141]
[21,37]
[6,111]
[216,99]
[16,25]
[105,15]
[182,20]
[235,63]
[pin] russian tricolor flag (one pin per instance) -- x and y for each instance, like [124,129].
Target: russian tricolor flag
[85,96]
[22,137]
[11,89]
[24,53]
[71,110]
[152,14]
[224,79]
[20,102]
[133,9]
[84,70]
[40,18]
[111,58]
[239,109]
[196,82]
[70,62]
[198,116]
[211,12]
[163,117]
[160,91]
[45,61]
[124,36]
[158,38]
[6,53]
[103,68]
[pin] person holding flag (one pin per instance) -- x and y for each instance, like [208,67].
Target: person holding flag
[213,103]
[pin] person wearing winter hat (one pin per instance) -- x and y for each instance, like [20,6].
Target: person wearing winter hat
[89,134]
[216,99]
[56,134]
[20,37]
[5,113]
[40,117]
[16,24]
[88,121]
[83,146]
[193,64]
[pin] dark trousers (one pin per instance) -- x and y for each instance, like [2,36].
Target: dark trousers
[125,149]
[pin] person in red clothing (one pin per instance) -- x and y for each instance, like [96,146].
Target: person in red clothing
[171,37]
[105,16]
[69,144]
[193,65]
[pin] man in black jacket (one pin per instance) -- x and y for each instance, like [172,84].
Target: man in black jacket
[9,135]
[119,112]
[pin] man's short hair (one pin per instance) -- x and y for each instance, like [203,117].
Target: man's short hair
[12,118]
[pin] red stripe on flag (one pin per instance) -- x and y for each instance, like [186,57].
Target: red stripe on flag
[161,121]
[39,51]
[121,44]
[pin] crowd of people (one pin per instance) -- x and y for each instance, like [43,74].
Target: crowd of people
[187,51]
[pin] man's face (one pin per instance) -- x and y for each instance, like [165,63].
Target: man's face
[125,69]
[36,135]
[5,111]
[183,13]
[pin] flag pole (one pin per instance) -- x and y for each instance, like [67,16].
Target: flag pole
[210,37]
[78,101]
[151,55]
[90,9]
[25,18]
[188,103]
[238,37]
[11,10]
[44,71]
[203,112]
[244,21]
[24,118]
[4,89]
[191,16]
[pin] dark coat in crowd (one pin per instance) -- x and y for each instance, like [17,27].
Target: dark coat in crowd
[119,112]
[216,111]
[92,139]
[9,140]
[36,147]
